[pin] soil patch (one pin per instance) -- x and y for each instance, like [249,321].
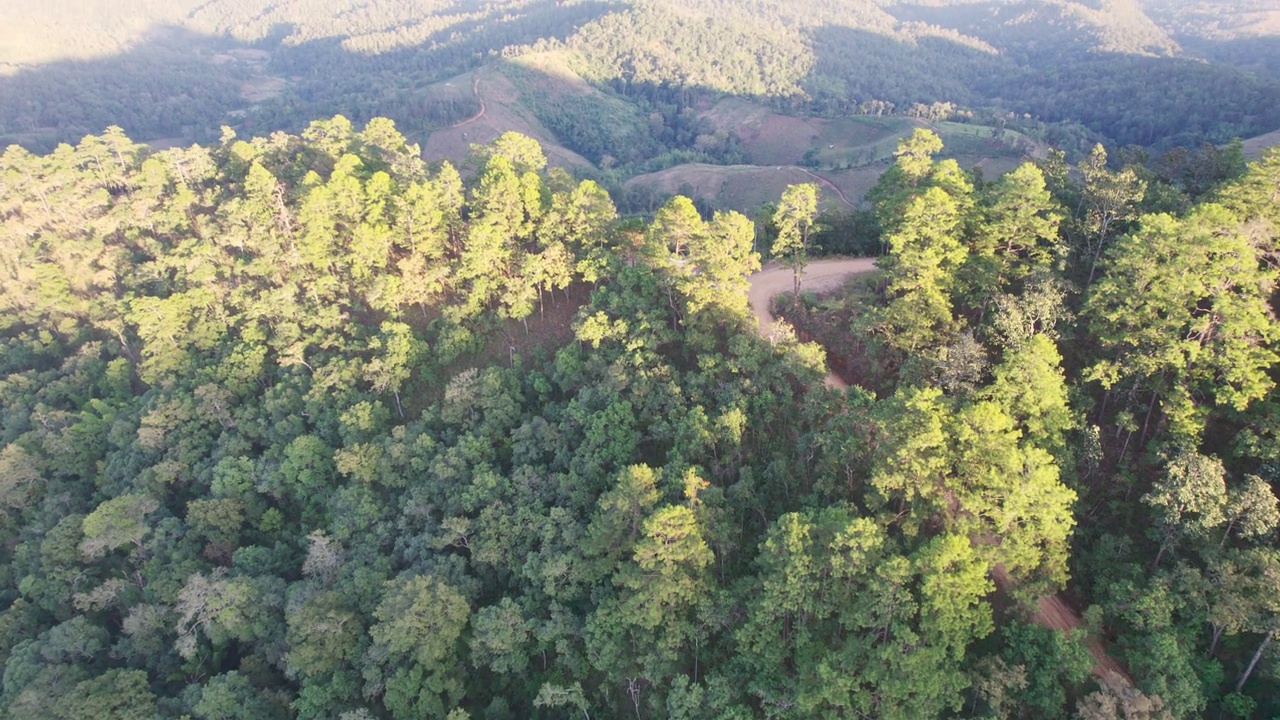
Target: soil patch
[1053,612]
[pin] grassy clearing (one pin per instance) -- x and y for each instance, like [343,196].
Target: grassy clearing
[503,112]
[734,187]
[1254,146]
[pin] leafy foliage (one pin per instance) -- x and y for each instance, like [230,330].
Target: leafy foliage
[303,426]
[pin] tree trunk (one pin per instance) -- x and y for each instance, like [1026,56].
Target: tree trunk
[1150,409]
[1254,662]
[1102,243]
[1227,534]
[1124,449]
[1163,546]
[695,658]
[1217,635]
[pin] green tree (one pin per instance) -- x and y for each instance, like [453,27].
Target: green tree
[500,637]
[1108,201]
[117,522]
[1056,664]
[419,623]
[323,635]
[1252,510]
[920,273]
[230,696]
[915,155]
[650,628]
[114,695]
[842,623]
[794,220]
[722,259]
[220,608]
[1015,235]
[1200,328]
[1029,385]
[1188,499]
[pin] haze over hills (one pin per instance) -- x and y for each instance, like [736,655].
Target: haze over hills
[626,84]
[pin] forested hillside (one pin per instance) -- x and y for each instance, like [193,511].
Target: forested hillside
[403,414]
[290,428]
[1156,74]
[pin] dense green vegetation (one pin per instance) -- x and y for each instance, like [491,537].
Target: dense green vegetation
[296,422]
[289,429]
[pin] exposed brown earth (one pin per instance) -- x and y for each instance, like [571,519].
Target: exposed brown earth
[774,279]
[1053,612]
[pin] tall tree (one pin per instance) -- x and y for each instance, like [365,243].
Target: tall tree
[925,253]
[1200,329]
[1015,235]
[1188,500]
[1108,201]
[794,220]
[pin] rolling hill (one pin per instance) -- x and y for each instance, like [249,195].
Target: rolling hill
[638,88]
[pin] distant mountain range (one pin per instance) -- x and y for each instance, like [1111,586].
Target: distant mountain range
[1155,73]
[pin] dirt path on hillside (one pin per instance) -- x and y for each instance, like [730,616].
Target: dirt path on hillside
[828,184]
[772,280]
[1053,612]
[475,90]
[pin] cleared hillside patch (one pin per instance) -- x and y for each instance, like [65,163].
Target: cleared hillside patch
[1255,146]
[734,187]
[772,138]
[503,113]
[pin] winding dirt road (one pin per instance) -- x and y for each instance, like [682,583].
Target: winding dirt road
[475,90]
[773,279]
[1053,612]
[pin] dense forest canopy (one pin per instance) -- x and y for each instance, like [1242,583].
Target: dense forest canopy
[304,426]
[403,414]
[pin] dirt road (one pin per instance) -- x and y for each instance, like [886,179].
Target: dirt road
[475,90]
[773,280]
[839,193]
[1053,612]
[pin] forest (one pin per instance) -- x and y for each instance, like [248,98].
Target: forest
[309,427]
[301,419]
